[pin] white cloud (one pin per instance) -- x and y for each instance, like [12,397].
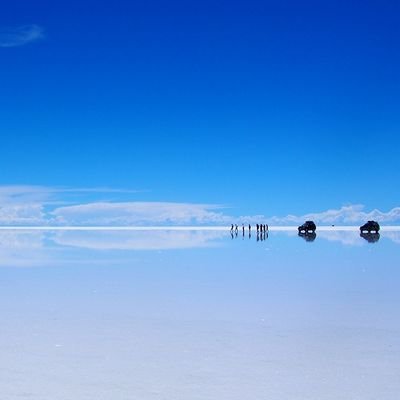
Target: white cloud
[21,35]
[139,213]
[22,205]
[38,205]
[22,214]
[31,205]
[347,215]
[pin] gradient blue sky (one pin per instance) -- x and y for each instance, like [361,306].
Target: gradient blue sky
[269,107]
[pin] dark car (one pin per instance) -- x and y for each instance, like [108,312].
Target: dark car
[308,226]
[370,226]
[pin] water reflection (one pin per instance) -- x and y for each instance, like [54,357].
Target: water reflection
[138,240]
[370,237]
[151,322]
[20,249]
[308,236]
[263,235]
[41,248]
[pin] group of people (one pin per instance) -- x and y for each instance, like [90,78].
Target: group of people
[260,228]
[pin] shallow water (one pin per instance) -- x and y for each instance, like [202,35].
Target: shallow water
[199,315]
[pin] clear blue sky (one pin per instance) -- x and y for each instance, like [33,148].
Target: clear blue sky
[269,107]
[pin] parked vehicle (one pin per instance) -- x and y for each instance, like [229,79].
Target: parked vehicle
[370,226]
[308,226]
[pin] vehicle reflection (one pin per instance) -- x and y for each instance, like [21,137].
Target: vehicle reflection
[308,236]
[370,237]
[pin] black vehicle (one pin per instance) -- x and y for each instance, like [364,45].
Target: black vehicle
[370,237]
[370,226]
[308,226]
[308,236]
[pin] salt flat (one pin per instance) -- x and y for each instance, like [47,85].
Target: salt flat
[116,315]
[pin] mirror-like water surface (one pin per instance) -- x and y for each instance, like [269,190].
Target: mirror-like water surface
[199,315]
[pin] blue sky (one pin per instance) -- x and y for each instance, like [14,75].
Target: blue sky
[268,109]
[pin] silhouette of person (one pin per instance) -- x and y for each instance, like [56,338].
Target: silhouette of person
[257,227]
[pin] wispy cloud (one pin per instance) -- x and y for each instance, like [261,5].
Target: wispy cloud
[36,205]
[20,35]
[23,205]
[32,205]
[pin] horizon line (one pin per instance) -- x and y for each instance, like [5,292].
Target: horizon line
[185,228]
